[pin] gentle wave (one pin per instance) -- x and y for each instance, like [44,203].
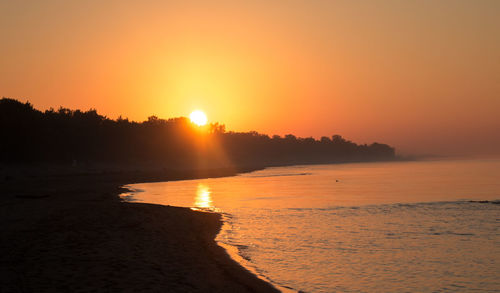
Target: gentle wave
[417,227]
[275,175]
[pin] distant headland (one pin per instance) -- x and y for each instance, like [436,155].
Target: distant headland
[82,138]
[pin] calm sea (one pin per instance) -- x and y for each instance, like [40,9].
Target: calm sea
[363,227]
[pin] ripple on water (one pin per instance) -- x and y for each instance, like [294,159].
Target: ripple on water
[391,227]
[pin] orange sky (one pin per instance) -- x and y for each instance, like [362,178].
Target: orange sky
[423,76]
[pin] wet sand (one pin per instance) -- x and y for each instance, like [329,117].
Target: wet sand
[69,232]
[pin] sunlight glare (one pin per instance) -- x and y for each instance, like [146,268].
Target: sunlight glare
[198,117]
[203,199]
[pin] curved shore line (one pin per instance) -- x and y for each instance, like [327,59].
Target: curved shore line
[221,256]
[69,231]
[230,250]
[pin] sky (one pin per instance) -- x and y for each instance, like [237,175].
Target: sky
[423,76]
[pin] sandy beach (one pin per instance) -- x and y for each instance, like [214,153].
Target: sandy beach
[70,232]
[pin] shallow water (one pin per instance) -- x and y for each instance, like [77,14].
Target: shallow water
[364,227]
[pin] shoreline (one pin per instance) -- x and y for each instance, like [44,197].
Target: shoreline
[67,229]
[231,251]
[72,232]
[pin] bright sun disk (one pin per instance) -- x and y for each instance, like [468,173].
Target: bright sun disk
[198,117]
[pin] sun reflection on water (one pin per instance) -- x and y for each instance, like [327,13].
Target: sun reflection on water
[203,200]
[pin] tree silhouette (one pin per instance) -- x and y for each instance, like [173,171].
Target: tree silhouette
[84,137]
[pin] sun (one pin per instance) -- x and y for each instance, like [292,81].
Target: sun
[198,117]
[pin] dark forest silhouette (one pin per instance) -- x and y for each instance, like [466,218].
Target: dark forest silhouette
[67,136]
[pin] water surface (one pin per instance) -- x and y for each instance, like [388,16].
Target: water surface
[364,227]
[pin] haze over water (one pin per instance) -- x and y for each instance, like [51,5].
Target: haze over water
[402,226]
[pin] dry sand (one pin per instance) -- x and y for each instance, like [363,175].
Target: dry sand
[71,233]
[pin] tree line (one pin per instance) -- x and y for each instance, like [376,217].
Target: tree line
[77,137]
